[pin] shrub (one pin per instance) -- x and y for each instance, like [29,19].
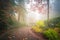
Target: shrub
[38,27]
[51,34]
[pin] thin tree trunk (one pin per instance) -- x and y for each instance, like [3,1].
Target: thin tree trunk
[18,17]
[48,12]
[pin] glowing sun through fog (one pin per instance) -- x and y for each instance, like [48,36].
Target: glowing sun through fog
[35,12]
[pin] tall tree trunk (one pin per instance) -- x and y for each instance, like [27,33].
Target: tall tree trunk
[48,12]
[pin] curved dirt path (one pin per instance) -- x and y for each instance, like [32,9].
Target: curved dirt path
[24,33]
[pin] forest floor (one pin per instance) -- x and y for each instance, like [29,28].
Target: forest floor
[23,33]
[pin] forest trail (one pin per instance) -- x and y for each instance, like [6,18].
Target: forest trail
[25,33]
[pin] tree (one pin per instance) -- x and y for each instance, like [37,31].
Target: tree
[5,14]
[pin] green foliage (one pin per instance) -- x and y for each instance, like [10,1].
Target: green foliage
[51,34]
[10,21]
[5,21]
[55,22]
[2,18]
[12,2]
